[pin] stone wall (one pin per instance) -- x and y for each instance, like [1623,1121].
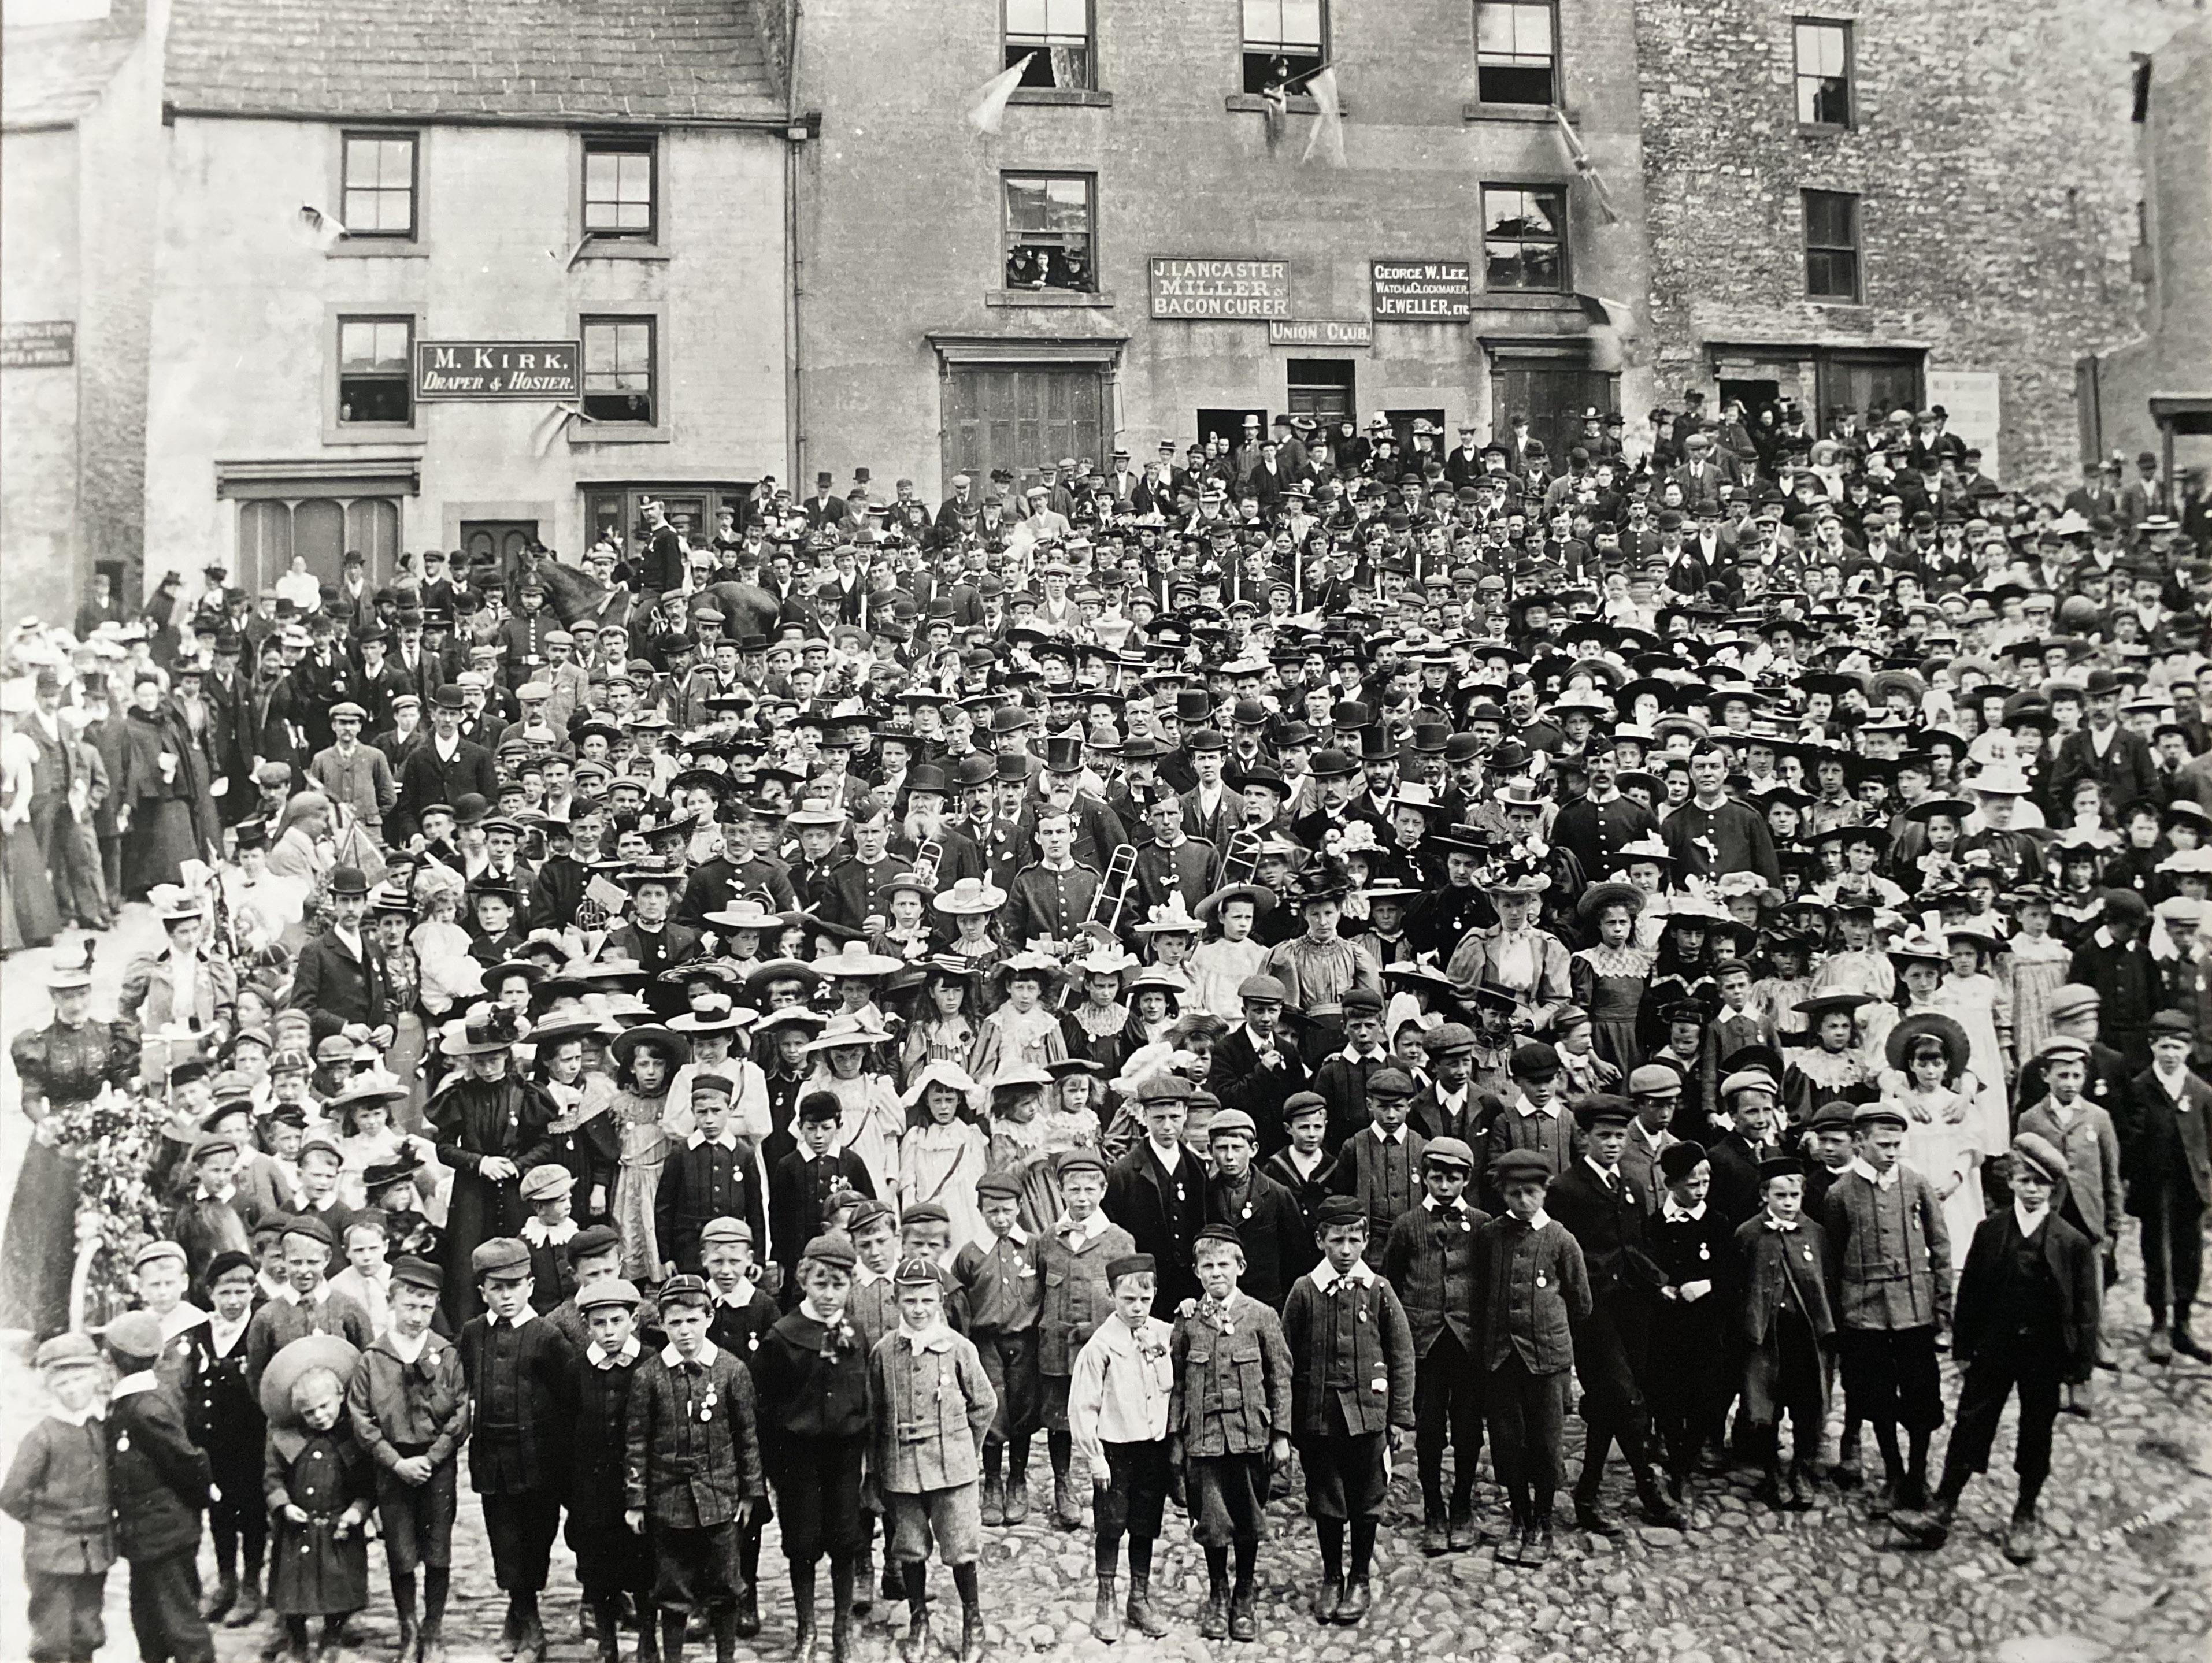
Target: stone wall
[1994,155]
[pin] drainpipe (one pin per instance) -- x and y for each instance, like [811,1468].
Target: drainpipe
[796,131]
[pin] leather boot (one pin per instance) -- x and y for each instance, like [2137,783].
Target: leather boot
[1213,1621]
[971,1633]
[2159,1348]
[247,1611]
[1066,1505]
[1590,1516]
[1460,1530]
[747,1615]
[1436,1536]
[2020,1537]
[1328,1603]
[1658,1509]
[1105,1619]
[1014,1495]
[648,1632]
[916,1649]
[1536,1545]
[994,1509]
[1141,1615]
[864,1582]
[1359,1601]
[672,1624]
[224,1597]
[1927,1528]
[1243,1618]
[2185,1343]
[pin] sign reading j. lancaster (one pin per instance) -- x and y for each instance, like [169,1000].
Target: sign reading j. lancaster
[498,369]
[1252,290]
[1423,289]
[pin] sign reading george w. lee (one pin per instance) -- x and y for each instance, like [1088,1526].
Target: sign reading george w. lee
[499,369]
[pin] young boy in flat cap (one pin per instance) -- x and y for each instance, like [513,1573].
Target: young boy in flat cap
[2093,1198]
[157,1486]
[933,1405]
[2168,1168]
[519,1372]
[742,1312]
[812,1375]
[2029,1299]
[1533,1118]
[215,1217]
[1117,1414]
[548,1191]
[999,1281]
[803,1185]
[1429,1260]
[1229,1426]
[1533,1291]
[1381,1166]
[408,1403]
[693,1474]
[709,1175]
[613,1562]
[1306,1169]
[815,1432]
[1784,1270]
[1354,1395]
[308,1305]
[1885,1226]
[1601,1207]
[1694,1245]
[594,1255]
[56,1490]
[224,1419]
[1264,1214]
[1077,1296]
[161,1278]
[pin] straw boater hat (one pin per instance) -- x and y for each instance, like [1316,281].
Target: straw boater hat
[1956,1049]
[849,1028]
[943,1071]
[715,1014]
[968,897]
[853,959]
[1599,896]
[1262,897]
[746,912]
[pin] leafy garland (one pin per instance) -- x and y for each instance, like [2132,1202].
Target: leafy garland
[116,1139]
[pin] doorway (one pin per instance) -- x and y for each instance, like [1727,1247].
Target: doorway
[1872,382]
[1017,418]
[1552,390]
[497,542]
[1756,396]
[1228,425]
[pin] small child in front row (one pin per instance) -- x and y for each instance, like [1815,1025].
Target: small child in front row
[1532,1288]
[2080,1127]
[56,1490]
[741,1315]
[998,1276]
[1077,1296]
[1784,1268]
[1352,1394]
[933,1405]
[549,1190]
[872,1309]
[408,1403]
[811,1375]
[1228,1437]
[1117,1415]
[613,1560]
[320,1489]
[693,1476]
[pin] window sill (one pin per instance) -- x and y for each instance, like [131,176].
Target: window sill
[1822,130]
[582,434]
[1086,98]
[372,433]
[1046,297]
[377,248]
[1299,104]
[1526,299]
[617,249]
[1535,115]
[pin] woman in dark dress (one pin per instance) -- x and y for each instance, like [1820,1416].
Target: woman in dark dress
[62,1064]
[164,774]
[491,1126]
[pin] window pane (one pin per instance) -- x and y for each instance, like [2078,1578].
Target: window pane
[1283,25]
[619,370]
[1503,30]
[1505,83]
[372,529]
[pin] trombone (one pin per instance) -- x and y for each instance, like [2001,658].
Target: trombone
[928,855]
[1240,865]
[1114,887]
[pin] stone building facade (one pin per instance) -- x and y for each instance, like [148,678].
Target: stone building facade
[1223,274]
[1970,193]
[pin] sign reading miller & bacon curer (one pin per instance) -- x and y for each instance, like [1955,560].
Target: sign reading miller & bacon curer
[499,369]
[1241,291]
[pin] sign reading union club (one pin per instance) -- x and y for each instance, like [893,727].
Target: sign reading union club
[1423,289]
[499,369]
[1254,290]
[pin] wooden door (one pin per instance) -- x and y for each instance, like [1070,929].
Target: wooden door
[1552,393]
[1018,416]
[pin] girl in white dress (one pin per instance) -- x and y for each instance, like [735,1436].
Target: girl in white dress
[1936,1092]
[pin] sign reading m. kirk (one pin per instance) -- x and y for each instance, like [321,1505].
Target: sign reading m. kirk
[499,369]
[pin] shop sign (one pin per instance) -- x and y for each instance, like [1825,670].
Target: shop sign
[1319,332]
[50,343]
[1423,291]
[1232,290]
[467,370]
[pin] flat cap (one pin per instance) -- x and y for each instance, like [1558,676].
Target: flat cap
[1448,1038]
[1389,1083]
[1131,1264]
[1448,1152]
[1678,1161]
[833,1250]
[1603,1109]
[1340,1210]
[70,1351]
[1234,1120]
[135,1334]
[420,1273]
[1520,1166]
[306,1223]
[1001,1184]
[916,1273]
[685,1290]
[1654,1080]
[547,1183]
[500,1256]
[597,1238]
[607,1290]
[724,1231]
[1079,1160]
[2040,1152]
[1220,1232]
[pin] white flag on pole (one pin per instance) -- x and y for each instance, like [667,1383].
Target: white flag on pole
[989,113]
[1328,133]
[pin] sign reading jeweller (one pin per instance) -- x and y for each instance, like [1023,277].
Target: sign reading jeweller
[499,369]
[1423,291]
[1234,290]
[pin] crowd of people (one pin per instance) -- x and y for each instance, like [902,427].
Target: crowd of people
[1234,969]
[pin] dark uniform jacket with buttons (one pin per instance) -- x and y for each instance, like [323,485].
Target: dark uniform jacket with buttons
[1077,1296]
[1163,1213]
[1350,1345]
[812,1382]
[701,1182]
[520,1378]
[1993,1297]
[740,1320]
[693,1445]
[401,1409]
[1429,1257]
[1041,902]
[157,1477]
[1384,1176]
[223,1414]
[1610,1226]
[1232,1378]
[1266,1219]
[800,1189]
[1308,1189]
[1780,1270]
[598,1460]
[1532,1290]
